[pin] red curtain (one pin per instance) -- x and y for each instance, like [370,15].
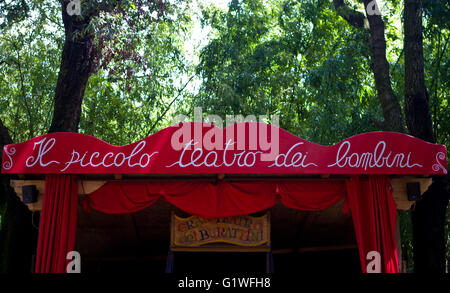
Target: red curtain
[373,211]
[370,201]
[58,223]
[223,199]
[120,198]
[311,195]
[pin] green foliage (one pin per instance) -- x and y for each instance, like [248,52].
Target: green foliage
[127,97]
[141,67]
[29,60]
[12,11]
[437,64]
[295,59]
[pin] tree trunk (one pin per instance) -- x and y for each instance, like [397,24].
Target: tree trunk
[429,219]
[77,64]
[429,214]
[5,138]
[392,112]
[417,110]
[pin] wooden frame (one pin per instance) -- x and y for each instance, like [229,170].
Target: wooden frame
[86,186]
[399,190]
[218,247]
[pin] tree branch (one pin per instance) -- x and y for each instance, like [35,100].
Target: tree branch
[353,17]
[170,105]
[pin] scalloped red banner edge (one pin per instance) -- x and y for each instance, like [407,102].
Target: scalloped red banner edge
[202,148]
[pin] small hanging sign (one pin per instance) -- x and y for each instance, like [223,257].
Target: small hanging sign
[240,230]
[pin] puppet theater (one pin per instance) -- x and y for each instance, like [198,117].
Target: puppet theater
[218,197]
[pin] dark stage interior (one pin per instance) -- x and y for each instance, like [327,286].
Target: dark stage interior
[302,241]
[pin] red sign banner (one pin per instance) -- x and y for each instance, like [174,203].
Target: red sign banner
[201,148]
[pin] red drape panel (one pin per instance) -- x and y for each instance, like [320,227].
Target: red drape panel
[57,228]
[199,198]
[311,195]
[121,198]
[223,199]
[373,211]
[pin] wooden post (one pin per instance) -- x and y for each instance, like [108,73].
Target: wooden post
[269,261]
[398,242]
[169,262]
